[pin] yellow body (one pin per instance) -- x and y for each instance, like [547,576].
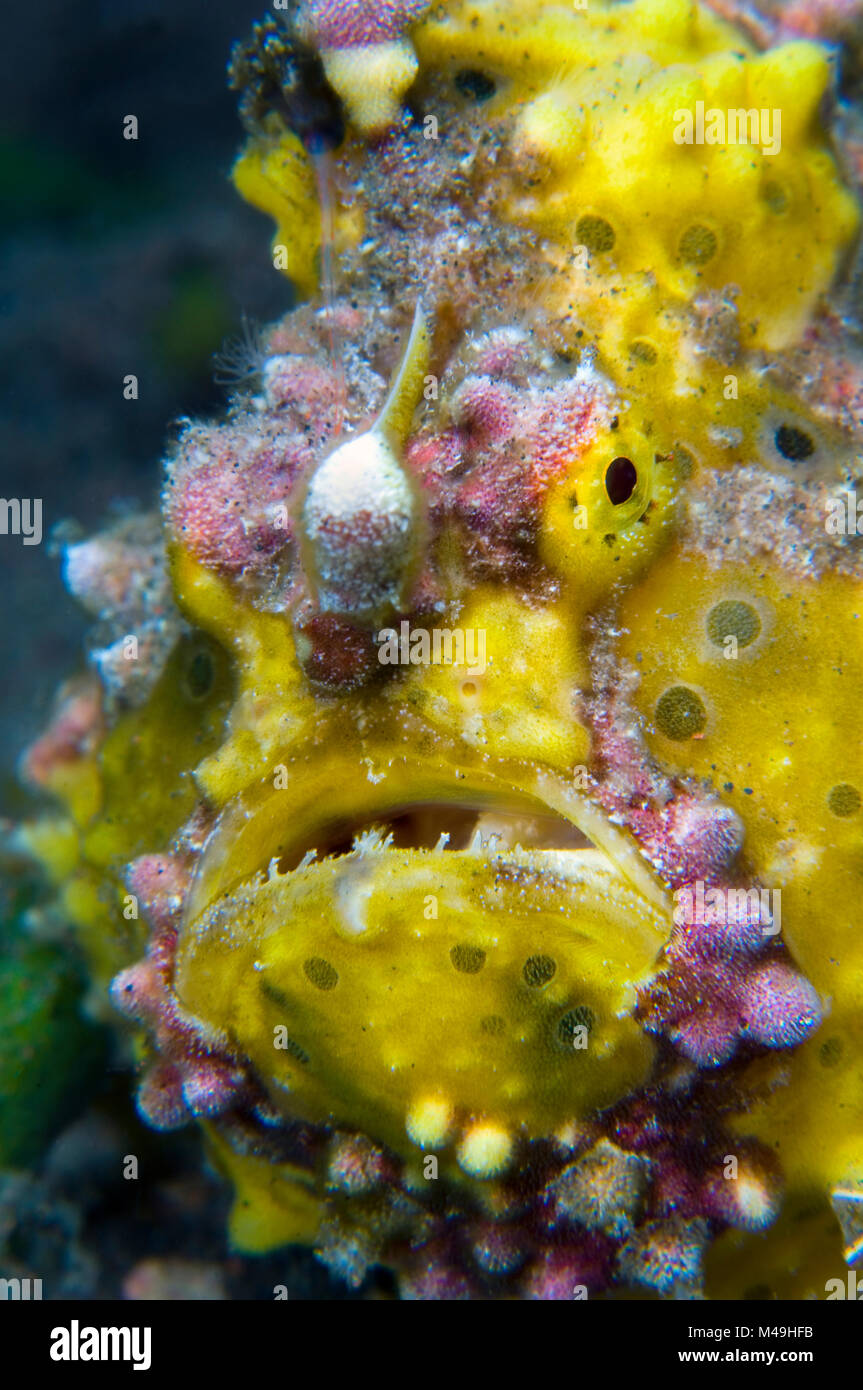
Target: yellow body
[357,957]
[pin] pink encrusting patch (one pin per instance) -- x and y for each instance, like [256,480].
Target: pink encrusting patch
[196,1074]
[356,23]
[746,1193]
[689,838]
[302,386]
[557,1275]
[723,981]
[819,19]
[159,882]
[567,420]
[229,490]
[511,437]
[435,460]
[687,835]
[709,1000]
[543,427]
[709,1037]
[780,1007]
[490,411]
[75,731]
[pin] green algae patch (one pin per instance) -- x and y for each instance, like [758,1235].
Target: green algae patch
[51,1056]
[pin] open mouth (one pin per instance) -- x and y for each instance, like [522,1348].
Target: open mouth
[321,809]
[442,826]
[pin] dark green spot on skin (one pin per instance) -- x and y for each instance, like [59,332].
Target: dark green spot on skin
[793,444]
[469,960]
[844,800]
[493,1026]
[733,619]
[684,460]
[274,994]
[538,970]
[643,352]
[830,1052]
[569,1028]
[294,1050]
[775,196]
[320,973]
[281,1000]
[680,713]
[698,245]
[595,233]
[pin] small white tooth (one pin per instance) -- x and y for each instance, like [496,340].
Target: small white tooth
[273,869]
[443,841]
[308,858]
[475,846]
[372,841]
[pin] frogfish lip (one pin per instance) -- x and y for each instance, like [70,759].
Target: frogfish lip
[320,805]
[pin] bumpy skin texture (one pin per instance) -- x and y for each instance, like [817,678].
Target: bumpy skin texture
[442,955]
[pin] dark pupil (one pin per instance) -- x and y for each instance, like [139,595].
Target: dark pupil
[620,480]
[476,86]
[793,444]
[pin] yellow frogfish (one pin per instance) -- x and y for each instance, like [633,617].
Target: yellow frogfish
[463,806]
